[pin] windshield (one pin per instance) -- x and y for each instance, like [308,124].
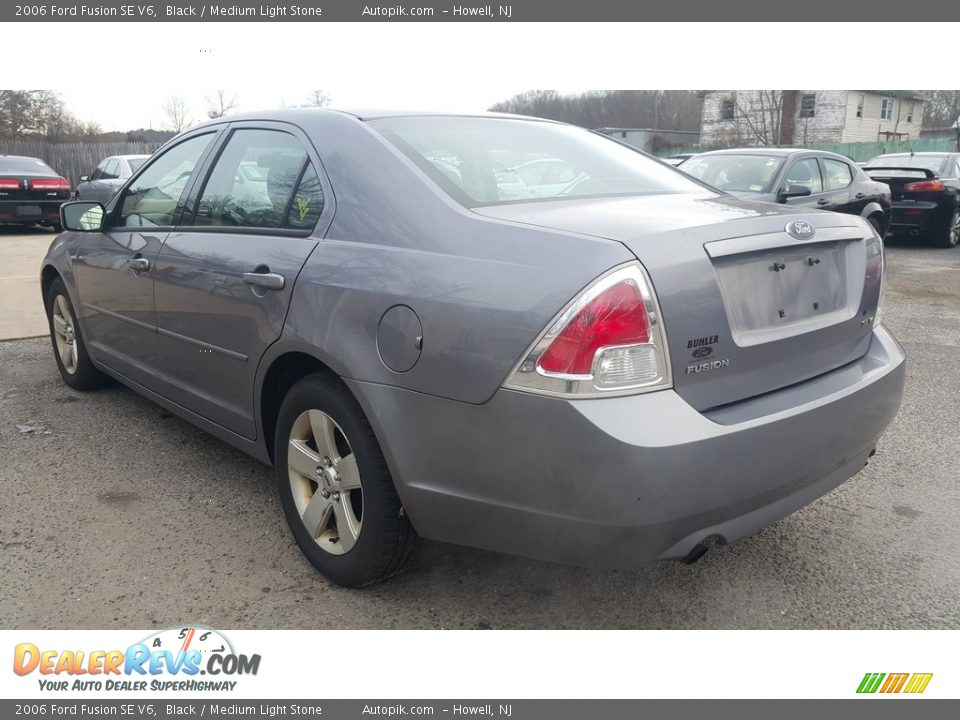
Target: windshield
[738,173]
[24,166]
[491,161]
[923,162]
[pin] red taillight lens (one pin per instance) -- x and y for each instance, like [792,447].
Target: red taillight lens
[924,186]
[615,317]
[49,184]
[608,341]
[9,184]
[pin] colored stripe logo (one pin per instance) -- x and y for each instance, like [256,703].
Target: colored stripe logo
[913,683]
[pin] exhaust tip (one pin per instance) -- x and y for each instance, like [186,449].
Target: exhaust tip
[701,548]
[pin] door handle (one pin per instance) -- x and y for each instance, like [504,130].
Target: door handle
[823,201]
[139,264]
[860,196]
[266,280]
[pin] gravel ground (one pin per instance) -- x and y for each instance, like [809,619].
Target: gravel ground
[119,515]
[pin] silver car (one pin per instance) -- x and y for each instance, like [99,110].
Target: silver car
[108,177]
[632,366]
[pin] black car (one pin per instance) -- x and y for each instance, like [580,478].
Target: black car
[806,178]
[31,192]
[926,194]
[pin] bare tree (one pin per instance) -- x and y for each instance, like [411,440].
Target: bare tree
[220,104]
[317,98]
[175,108]
[758,115]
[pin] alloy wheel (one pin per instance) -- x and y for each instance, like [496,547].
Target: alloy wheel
[64,334]
[325,482]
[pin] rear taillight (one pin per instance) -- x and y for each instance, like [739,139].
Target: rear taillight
[49,184]
[924,186]
[608,341]
[9,184]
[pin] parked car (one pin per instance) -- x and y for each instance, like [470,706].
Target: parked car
[108,177]
[632,368]
[805,178]
[926,194]
[31,192]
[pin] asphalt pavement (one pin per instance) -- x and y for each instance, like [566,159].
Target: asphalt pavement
[116,514]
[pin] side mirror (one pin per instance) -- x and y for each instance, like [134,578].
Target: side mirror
[82,216]
[792,191]
[84,178]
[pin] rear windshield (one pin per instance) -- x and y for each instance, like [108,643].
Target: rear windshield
[737,173]
[24,166]
[135,163]
[924,162]
[493,161]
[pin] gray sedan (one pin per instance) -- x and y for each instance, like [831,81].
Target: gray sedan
[108,177]
[628,366]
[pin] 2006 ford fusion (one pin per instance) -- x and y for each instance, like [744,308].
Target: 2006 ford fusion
[502,332]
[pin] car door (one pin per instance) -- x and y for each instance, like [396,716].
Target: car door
[806,172]
[88,190]
[114,269]
[224,278]
[840,187]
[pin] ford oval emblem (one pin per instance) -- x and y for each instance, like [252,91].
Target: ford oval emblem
[800,229]
[702,352]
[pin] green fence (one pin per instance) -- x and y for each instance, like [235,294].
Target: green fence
[858,152]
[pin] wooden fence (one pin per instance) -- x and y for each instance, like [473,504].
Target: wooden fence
[73,159]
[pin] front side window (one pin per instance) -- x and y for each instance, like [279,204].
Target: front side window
[153,197]
[262,179]
[483,161]
[805,173]
[808,105]
[112,170]
[838,174]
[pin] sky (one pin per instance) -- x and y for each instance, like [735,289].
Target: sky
[429,66]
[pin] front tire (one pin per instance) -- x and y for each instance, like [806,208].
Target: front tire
[336,491]
[951,237]
[69,351]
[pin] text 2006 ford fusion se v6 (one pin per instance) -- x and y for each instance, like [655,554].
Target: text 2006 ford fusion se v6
[502,332]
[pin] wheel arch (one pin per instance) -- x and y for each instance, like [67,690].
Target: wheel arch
[285,368]
[47,276]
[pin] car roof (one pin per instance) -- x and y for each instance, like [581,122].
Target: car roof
[942,153]
[297,115]
[22,157]
[775,152]
[131,157]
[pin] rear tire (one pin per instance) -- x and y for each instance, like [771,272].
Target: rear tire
[335,488]
[951,236]
[69,350]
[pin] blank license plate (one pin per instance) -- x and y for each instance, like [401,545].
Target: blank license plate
[28,211]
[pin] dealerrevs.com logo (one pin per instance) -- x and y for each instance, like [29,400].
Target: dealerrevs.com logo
[910,683]
[172,659]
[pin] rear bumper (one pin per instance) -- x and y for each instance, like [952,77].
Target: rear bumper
[919,218]
[30,211]
[620,482]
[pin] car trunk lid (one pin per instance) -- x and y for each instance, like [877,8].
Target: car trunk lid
[747,307]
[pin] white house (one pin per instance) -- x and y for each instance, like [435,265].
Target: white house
[801,117]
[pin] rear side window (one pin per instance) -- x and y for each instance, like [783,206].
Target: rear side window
[262,179]
[838,174]
[152,199]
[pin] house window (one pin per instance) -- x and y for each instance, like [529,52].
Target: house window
[861,102]
[808,105]
[728,109]
[913,106]
[886,109]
